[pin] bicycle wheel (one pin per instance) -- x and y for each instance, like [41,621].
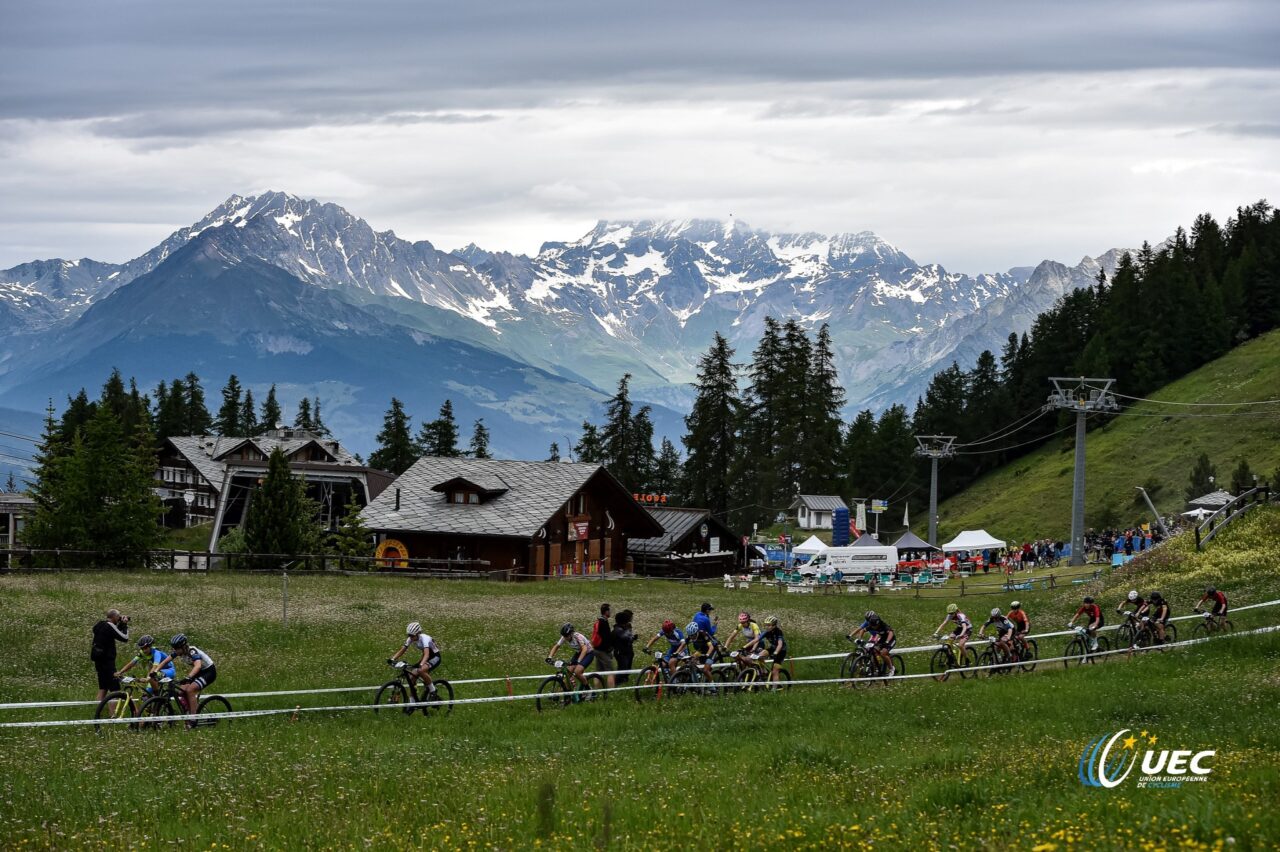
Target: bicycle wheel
[1170,633]
[680,682]
[1200,631]
[987,658]
[847,666]
[442,702]
[749,679]
[1075,654]
[783,681]
[1128,637]
[392,695]
[968,660]
[212,706]
[1226,626]
[155,713]
[598,685]
[940,664]
[899,665]
[647,683]
[862,671]
[1031,653]
[115,705]
[552,695]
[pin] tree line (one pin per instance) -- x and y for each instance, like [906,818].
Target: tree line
[398,448]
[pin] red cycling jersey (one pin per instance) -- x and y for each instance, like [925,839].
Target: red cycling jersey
[1219,600]
[1093,611]
[1019,618]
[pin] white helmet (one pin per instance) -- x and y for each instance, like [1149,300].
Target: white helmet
[1133,594]
[1015,605]
[995,611]
[413,629]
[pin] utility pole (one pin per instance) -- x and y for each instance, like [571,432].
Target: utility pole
[934,447]
[1083,396]
[1164,531]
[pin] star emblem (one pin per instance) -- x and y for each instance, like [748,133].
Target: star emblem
[1152,739]
[1143,734]
[1130,742]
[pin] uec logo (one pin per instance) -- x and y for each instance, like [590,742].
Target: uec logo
[1103,765]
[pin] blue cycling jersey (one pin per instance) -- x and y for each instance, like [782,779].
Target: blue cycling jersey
[156,656]
[704,621]
[674,639]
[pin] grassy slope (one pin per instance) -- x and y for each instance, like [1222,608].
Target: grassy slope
[1031,497]
[922,764]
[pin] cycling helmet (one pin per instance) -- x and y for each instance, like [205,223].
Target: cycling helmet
[1088,599]
[1156,596]
[413,629]
[995,611]
[1016,605]
[1133,594]
[1209,590]
[146,641]
[744,617]
[178,641]
[691,629]
[771,621]
[668,626]
[707,607]
[952,608]
[566,629]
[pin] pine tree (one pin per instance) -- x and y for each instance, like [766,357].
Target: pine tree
[712,438]
[439,437]
[352,537]
[764,407]
[666,471]
[317,422]
[480,441]
[617,437]
[280,519]
[171,410]
[1200,475]
[395,452]
[113,394]
[860,465]
[77,416]
[228,422]
[247,422]
[1241,478]
[272,416]
[199,422]
[302,420]
[553,454]
[642,461]
[10,485]
[821,406]
[589,449]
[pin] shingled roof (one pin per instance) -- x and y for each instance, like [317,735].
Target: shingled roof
[535,492]
[205,452]
[819,503]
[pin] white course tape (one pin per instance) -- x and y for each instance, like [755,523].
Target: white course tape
[250,714]
[38,705]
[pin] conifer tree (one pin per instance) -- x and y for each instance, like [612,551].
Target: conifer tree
[821,405]
[395,452]
[439,437]
[713,428]
[9,484]
[1200,474]
[280,518]
[199,422]
[247,422]
[317,422]
[589,449]
[617,436]
[479,441]
[272,417]
[666,471]
[302,420]
[228,421]
[352,537]
[553,454]
[1241,478]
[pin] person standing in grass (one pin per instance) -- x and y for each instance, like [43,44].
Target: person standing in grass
[623,640]
[106,633]
[602,645]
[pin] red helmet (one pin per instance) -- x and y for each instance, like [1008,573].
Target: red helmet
[668,626]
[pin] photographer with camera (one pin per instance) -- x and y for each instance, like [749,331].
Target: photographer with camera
[106,633]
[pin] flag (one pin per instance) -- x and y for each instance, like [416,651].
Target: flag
[862,517]
[906,522]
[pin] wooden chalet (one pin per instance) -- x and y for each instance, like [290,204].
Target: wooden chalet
[210,479]
[538,519]
[694,543]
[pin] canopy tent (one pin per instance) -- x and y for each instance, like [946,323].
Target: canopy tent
[811,546]
[911,541]
[1198,514]
[867,540]
[973,541]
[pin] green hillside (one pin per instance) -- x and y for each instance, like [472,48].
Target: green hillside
[1031,497]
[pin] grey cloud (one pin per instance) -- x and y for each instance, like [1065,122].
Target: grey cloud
[1247,128]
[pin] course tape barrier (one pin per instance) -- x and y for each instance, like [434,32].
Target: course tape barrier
[389,709]
[917,649]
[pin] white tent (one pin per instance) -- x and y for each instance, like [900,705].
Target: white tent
[813,545]
[973,541]
[1198,514]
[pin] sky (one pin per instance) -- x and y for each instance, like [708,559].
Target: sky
[977,135]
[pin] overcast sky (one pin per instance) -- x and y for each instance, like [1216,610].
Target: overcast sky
[977,135]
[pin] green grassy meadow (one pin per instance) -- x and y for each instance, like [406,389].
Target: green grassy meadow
[1031,497]
[964,764]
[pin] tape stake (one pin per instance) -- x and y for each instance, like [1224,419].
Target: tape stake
[509,692]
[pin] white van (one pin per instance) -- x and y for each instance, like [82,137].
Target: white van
[854,560]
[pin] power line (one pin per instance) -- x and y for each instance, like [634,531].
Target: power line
[19,437]
[1213,404]
[1248,415]
[1008,429]
[1016,446]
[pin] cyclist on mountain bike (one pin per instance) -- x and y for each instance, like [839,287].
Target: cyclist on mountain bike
[148,651]
[203,672]
[699,643]
[1021,626]
[1158,611]
[1217,600]
[882,637]
[749,630]
[1093,615]
[415,638]
[1137,612]
[582,655]
[961,632]
[674,639]
[776,644]
[1003,630]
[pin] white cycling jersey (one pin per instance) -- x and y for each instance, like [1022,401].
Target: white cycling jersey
[194,654]
[424,643]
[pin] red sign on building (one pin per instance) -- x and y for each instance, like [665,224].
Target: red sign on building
[583,529]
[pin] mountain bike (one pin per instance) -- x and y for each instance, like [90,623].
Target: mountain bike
[124,703]
[755,675]
[864,664]
[1028,652]
[945,659]
[1140,632]
[1079,650]
[403,692]
[658,674]
[697,675]
[170,701]
[1210,625]
[998,658]
[562,689]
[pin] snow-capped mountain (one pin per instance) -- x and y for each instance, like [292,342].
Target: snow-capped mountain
[641,296]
